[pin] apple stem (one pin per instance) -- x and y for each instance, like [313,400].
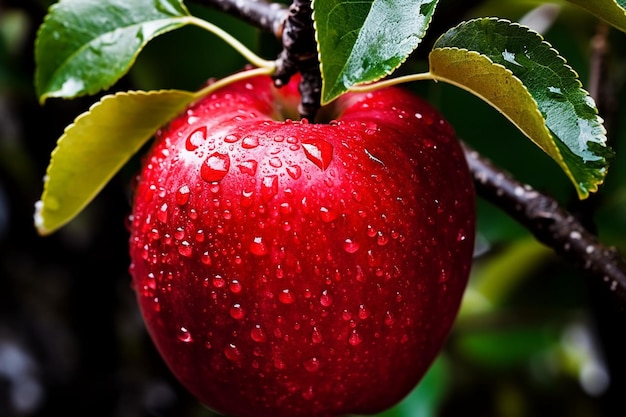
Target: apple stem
[232,41]
[549,223]
[293,26]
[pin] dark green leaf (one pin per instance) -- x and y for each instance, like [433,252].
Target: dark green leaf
[85,46]
[96,146]
[521,75]
[363,41]
[611,11]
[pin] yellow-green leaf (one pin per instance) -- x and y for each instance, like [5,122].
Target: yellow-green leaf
[94,148]
[520,74]
[497,86]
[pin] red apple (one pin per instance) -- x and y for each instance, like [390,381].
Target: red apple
[286,268]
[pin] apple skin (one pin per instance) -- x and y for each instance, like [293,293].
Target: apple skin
[286,268]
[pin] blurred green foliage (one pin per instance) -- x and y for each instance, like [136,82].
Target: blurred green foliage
[533,337]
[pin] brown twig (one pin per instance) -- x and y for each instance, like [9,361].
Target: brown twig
[549,223]
[539,213]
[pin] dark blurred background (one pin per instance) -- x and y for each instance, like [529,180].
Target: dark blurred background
[535,336]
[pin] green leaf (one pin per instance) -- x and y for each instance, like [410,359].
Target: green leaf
[94,148]
[522,76]
[85,46]
[611,11]
[363,41]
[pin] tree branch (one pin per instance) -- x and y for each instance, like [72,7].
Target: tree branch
[549,223]
[539,213]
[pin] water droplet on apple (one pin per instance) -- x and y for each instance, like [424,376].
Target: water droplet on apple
[231,138]
[185,249]
[237,312]
[350,246]
[184,335]
[311,365]
[196,139]
[327,215]
[269,187]
[319,152]
[316,336]
[258,334]
[205,258]
[182,195]
[308,393]
[218,281]
[248,167]
[371,128]
[246,198]
[276,162]
[388,320]
[215,167]
[232,352]
[250,142]
[382,239]
[325,299]
[162,213]
[286,297]
[179,234]
[294,171]
[364,312]
[258,247]
[235,286]
[355,338]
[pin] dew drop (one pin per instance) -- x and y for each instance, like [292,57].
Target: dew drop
[195,139]
[215,167]
[325,299]
[250,142]
[382,239]
[276,162]
[556,93]
[355,338]
[231,138]
[258,247]
[286,297]
[294,171]
[269,187]
[388,320]
[319,152]
[185,249]
[218,281]
[246,198]
[248,167]
[258,334]
[162,213]
[327,215]
[350,246]
[184,335]
[235,286]
[316,336]
[311,365]
[232,352]
[182,195]
[364,312]
[237,312]
[371,128]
